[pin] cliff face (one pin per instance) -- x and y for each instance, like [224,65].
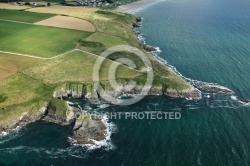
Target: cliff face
[191,93]
[127,91]
[25,119]
[84,131]
[89,129]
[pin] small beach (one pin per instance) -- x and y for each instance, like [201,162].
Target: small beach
[131,7]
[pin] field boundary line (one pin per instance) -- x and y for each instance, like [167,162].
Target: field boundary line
[17,21]
[25,55]
[32,56]
[76,49]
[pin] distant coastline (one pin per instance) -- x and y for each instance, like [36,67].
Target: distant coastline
[135,5]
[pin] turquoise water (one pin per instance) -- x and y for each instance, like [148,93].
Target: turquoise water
[205,40]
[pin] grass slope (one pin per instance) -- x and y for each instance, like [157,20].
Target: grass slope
[75,67]
[23,16]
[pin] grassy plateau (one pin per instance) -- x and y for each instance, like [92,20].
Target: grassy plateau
[27,83]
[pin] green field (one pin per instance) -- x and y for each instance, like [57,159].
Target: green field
[76,66]
[20,88]
[36,40]
[23,16]
[10,28]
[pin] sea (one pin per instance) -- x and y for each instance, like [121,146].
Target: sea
[205,42]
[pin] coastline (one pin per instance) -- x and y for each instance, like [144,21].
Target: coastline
[155,91]
[130,7]
[96,131]
[201,86]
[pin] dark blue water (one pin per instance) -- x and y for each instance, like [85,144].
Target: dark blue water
[205,40]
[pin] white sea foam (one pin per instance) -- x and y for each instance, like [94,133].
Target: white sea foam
[247,104]
[102,106]
[234,97]
[208,96]
[106,143]
[7,136]
[199,158]
[4,133]
[70,103]
[48,152]
[87,107]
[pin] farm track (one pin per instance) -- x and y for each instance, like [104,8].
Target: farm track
[31,56]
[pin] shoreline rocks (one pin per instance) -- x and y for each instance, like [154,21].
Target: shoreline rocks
[83,131]
[147,48]
[215,89]
[191,93]
[25,119]
[138,22]
[89,129]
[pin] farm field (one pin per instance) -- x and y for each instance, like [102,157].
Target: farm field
[115,24]
[12,7]
[23,16]
[8,28]
[20,88]
[79,12]
[37,40]
[11,64]
[107,39]
[68,22]
[76,66]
